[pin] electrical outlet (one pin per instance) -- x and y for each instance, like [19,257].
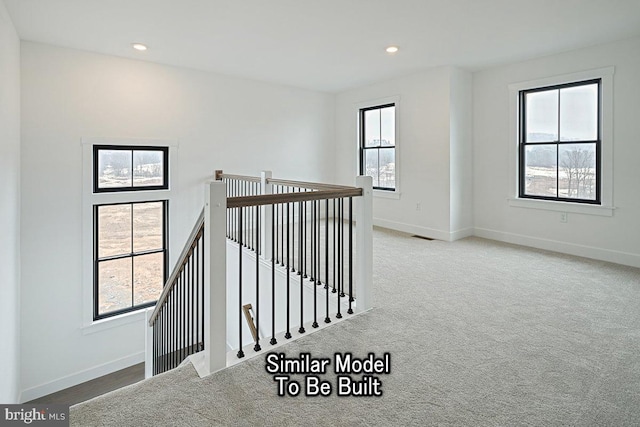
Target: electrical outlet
[418,206]
[563,217]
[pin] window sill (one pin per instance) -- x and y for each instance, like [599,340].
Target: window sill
[114,322]
[550,205]
[386,194]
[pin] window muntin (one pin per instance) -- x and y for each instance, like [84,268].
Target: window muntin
[130,256]
[560,142]
[130,168]
[378,145]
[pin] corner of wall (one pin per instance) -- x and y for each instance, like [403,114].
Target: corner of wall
[10,368]
[461,152]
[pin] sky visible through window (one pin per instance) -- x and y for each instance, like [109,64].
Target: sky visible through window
[566,114]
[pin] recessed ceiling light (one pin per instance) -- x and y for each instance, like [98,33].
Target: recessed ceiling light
[392,49]
[139,46]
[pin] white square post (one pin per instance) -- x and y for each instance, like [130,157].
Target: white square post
[215,273]
[148,339]
[364,243]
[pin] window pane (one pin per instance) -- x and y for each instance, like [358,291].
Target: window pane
[578,171]
[388,126]
[542,116]
[148,168]
[371,165]
[148,277]
[147,226]
[579,113]
[372,128]
[387,169]
[114,230]
[114,285]
[114,168]
[540,172]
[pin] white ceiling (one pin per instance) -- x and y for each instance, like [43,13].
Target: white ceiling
[327,45]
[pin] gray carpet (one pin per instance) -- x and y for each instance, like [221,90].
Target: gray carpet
[480,333]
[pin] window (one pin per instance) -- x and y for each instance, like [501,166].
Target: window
[130,168]
[130,256]
[130,228]
[378,145]
[560,142]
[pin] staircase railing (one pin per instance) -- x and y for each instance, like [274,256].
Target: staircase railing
[178,318]
[299,253]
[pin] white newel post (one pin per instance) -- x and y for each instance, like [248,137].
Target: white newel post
[267,213]
[364,243]
[148,339]
[215,273]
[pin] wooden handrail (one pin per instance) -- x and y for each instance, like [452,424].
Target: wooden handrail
[220,176]
[271,199]
[194,236]
[309,185]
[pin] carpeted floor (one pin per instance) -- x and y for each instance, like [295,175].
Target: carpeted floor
[480,334]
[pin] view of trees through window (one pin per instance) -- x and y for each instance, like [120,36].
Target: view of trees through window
[560,141]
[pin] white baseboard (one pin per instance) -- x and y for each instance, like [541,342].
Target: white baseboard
[81,377]
[461,234]
[601,254]
[431,233]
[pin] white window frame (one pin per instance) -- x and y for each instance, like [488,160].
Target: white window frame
[385,194]
[89,199]
[606,207]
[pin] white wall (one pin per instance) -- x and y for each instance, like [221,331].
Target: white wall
[238,125]
[615,238]
[9,210]
[461,153]
[434,144]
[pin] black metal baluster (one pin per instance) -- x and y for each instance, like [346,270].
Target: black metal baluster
[240,352]
[282,231]
[287,335]
[312,248]
[193,294]
[169,331]
[340,242]
[274,232]
[169,323]
[163,346]
[273,277]
[173,330]
[342,294]
[245,226]
[202,295]
[314,272]
[293,233]
[251,235]
[334,248]
[318,244]
[300,261]
[350,310]
[257,240]
[304,239]
[327,319]
[184,310]
[154,346]
[156,363]
[176,330]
